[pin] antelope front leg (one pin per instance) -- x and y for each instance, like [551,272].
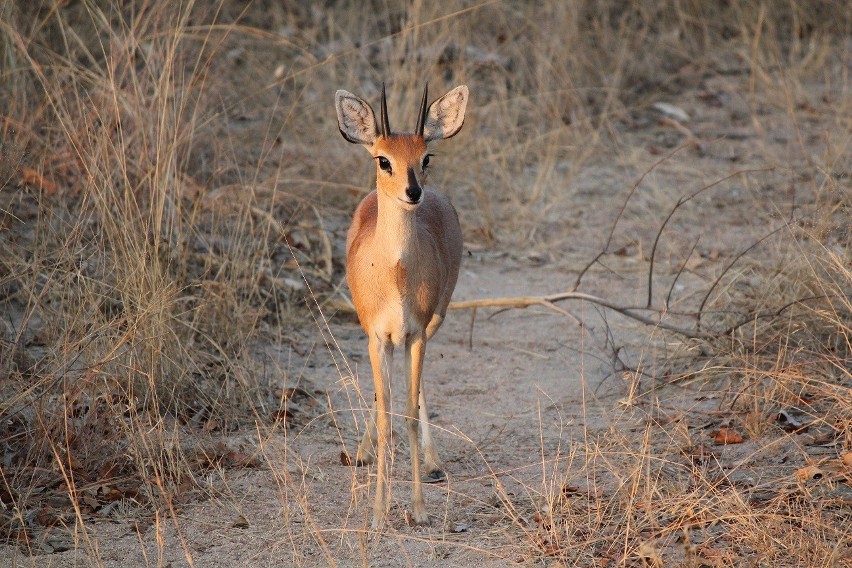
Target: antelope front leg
[381,357]
[415,348]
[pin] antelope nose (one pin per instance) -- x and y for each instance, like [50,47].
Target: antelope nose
[414,193]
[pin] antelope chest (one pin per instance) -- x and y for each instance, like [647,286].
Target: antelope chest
[392,302]
[394,321]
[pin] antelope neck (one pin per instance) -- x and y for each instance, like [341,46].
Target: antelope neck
[395,228]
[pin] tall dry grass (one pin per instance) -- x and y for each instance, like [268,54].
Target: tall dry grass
[171,189]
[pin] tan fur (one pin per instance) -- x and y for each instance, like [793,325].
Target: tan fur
[402,262]
[428,268]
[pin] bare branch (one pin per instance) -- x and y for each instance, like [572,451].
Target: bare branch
[680,271]
[727,268]
[775,313]
[549,300]
[621,212]
[674,209]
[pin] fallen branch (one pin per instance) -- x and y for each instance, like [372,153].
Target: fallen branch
[549,301]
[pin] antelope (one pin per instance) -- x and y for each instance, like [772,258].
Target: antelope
[403,252]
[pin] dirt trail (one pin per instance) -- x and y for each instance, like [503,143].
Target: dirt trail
[502,410]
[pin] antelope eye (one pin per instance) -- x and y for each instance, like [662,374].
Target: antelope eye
[385,164]
[426,161]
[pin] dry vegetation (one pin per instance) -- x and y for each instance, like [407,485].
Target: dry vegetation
[175,194]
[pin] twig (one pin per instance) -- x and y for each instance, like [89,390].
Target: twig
[775,313]
[679,272]
[621,212]
[680,202]
[727,268]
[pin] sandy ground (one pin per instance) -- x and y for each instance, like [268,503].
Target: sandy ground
[503,411]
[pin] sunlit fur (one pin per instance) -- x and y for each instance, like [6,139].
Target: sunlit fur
[414,261]
[403,253]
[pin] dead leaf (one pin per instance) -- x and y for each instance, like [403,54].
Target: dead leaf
[31,177]
[809,473]
[727,436]
[89,500]
[790,423]
[847,459]
[235,458]
[111,495]
[47,516]
[671,111]
[699,453]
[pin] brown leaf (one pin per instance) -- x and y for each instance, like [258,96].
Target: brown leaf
[47,516]
[185,485]
[240,459]
[89,500]
[108,471]
[789,423]
[112,494]
[809,472]
[699,453]
[31,177]
[727,436]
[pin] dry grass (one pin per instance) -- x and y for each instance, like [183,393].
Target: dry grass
[172,189]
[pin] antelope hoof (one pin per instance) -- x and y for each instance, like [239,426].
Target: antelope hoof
[363,458]
[436,476]
[415,520]
[378,524]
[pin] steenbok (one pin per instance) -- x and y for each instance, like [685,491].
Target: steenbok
[403,253]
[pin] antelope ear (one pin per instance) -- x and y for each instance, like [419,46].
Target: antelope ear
[355,118]
[446,115]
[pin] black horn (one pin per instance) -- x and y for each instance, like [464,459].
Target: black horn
[386,131]
[421,119]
